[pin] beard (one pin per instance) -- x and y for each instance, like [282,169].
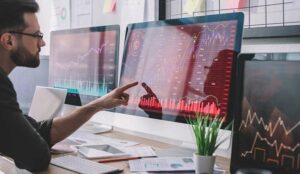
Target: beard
[22,57]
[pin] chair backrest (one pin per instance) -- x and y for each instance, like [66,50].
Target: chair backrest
[47,103]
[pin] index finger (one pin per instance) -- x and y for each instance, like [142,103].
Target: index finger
[124,88]
[147,88]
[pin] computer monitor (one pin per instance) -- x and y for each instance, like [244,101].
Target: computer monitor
[267,133]
[183,66]
[84,61]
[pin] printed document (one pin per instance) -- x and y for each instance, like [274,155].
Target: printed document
[145,151]
[167,165]
[162,164]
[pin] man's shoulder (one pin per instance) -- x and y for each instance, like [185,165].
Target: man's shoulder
[7,92]
[6,83]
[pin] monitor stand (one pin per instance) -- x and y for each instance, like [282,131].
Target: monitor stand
[97,128]
[91,126]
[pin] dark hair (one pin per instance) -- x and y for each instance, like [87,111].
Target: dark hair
[12,11]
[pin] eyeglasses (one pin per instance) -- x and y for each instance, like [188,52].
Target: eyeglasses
[38,34]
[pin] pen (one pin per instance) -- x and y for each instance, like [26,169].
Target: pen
[118,159]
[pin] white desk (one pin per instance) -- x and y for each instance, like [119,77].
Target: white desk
[9,168]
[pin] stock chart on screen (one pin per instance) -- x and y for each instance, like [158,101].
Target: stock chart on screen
[84,61]
[184,66]
[269,127]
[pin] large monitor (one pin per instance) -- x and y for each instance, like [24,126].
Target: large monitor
[183,66]
[84,61]
[267,129]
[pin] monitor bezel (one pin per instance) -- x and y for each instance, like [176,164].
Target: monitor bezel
[74,99]
[239,17]
[236,161]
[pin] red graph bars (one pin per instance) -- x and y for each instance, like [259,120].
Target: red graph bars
[177,105]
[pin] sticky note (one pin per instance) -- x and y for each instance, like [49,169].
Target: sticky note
[109,6]
[192,6]
[235,4]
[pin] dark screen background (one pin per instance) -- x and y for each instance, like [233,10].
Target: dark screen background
[268,132]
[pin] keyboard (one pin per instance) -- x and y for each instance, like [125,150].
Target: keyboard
[82,165]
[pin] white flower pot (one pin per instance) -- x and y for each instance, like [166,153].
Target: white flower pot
[204,164]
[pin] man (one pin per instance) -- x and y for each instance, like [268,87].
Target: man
[21,137]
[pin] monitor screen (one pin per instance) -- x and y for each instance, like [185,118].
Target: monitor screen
[84,61]
[184,66]
[267,132]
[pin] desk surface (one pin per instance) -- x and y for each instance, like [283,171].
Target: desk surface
[9,167]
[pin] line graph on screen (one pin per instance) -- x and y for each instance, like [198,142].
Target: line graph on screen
[272,141]
[78,76]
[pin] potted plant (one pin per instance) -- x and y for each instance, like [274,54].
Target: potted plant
[206,129]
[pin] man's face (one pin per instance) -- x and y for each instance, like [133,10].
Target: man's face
[22,57]
[28,48]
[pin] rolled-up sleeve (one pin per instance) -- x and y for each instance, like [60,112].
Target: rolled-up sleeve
[43,128]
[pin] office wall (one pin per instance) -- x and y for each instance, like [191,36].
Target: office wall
[43,17]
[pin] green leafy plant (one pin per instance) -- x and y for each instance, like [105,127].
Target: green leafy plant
[206,129]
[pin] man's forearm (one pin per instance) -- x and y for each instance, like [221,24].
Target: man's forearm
[64,126]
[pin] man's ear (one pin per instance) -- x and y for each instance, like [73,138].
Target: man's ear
[8,41]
